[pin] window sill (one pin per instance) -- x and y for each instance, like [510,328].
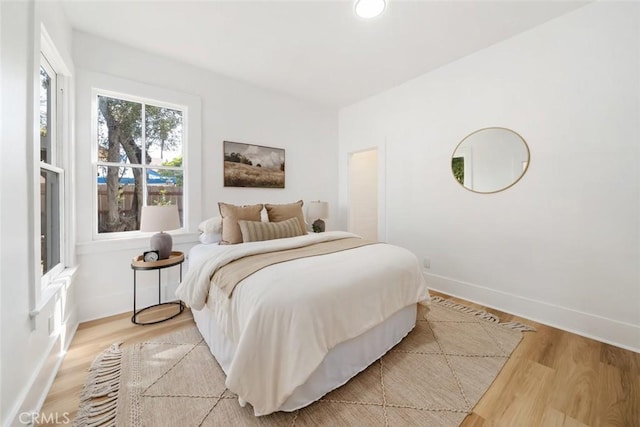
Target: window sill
[49,293]
[137,242]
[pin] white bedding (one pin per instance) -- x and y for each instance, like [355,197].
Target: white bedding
[339,365]
[284,319]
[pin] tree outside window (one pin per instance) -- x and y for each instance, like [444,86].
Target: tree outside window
[140,151]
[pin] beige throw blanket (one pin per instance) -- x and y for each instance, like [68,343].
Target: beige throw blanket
[228,276]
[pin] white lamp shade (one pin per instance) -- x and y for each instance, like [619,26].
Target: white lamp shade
[159,218]
[317,210]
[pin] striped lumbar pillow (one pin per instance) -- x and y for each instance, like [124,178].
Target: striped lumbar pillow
[257,231]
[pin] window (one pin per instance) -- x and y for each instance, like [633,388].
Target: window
[51,175]
[139,159]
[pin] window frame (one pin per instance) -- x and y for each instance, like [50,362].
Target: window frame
[95,163]
[56,165]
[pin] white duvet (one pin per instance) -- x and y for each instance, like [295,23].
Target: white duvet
[286,317]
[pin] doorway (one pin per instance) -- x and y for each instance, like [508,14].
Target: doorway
[363,193]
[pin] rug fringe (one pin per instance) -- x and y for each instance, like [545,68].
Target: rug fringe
[482,314]
[99,397]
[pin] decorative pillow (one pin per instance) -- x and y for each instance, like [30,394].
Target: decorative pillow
[231,233]
[257,231]
[279,213]
[209,238]
[211,225]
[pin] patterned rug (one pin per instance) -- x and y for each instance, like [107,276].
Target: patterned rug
[434,377]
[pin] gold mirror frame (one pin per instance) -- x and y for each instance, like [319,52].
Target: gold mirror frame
[456,175]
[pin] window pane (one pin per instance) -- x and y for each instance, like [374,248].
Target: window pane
[164,187]
[119,198]
[49,220]
[155,151]
[163,131]
[119,131]
[45,116]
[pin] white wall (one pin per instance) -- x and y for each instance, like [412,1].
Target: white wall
[562,245]
[232,111]
[30,354]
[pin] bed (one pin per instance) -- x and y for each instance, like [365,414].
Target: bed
[292,331]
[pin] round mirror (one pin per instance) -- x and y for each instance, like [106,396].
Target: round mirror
[490,160]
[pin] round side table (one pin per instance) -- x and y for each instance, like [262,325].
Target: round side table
[138,264]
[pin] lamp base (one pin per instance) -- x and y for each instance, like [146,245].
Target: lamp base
[163,243]
[318,226]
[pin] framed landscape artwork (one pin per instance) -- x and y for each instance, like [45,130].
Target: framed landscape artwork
[248,165]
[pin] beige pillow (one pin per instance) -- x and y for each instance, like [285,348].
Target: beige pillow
[230,214]
[257,231]
[279,213]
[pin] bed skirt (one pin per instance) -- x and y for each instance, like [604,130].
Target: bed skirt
[342,362]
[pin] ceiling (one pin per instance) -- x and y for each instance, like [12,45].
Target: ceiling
[314,50]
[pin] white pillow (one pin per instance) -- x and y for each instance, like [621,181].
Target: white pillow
[211,225]
[209,238]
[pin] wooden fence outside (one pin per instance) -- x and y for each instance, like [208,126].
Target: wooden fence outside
[172,194]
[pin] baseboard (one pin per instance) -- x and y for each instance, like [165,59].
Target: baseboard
[71,327]
[42,378]
[610,331]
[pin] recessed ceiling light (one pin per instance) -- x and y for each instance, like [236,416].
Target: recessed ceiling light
[369,8]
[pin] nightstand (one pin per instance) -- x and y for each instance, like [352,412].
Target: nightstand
[137,264]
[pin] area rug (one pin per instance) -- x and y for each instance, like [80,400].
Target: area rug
[433,377]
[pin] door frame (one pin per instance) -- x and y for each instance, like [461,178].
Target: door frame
[382,189]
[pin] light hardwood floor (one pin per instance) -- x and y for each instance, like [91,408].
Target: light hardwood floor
[553,378]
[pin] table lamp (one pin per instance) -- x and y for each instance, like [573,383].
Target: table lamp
[318,211]
[160,218]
